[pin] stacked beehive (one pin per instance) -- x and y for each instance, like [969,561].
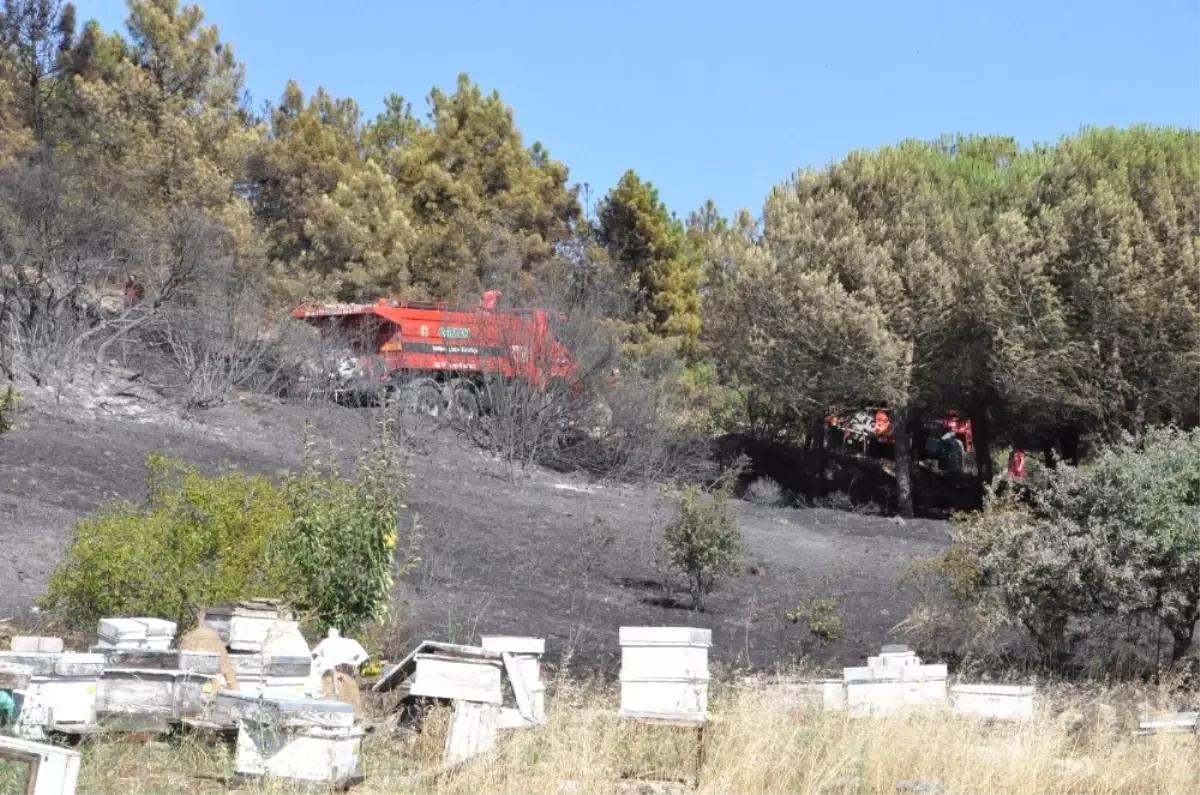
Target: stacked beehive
[153,634]
[893,679]
[266,649]
[664,673]
[296,738]
[60,692]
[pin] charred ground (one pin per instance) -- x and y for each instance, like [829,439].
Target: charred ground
[542,554]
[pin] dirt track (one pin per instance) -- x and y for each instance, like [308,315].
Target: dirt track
[548,555]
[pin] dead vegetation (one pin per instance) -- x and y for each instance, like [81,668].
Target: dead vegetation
[1079,742]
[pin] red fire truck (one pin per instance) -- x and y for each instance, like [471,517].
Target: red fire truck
[438,356]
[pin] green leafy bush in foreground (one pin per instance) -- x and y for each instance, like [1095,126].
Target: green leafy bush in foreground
[196,540]
[343,538]
[323,542]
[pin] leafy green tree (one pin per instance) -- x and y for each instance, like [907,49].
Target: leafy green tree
[10,402]
[1115,214]
[344,538]
[326,543]
[37,40]
[879,226]
[190,88]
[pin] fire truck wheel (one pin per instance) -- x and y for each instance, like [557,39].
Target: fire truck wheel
[464,403]
[426,398]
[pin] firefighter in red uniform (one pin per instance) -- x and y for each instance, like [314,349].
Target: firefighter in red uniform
[1016,465]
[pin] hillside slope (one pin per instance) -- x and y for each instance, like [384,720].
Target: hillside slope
[546,555]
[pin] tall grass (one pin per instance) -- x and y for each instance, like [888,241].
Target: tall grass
[755,744]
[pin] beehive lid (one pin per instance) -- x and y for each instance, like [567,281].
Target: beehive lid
[286,711]
[157,627]
[513,645]
[122,629]
[665,636]
[993,690]
[248,608]
[894,673]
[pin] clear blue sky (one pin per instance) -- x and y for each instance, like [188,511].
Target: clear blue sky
[723,100]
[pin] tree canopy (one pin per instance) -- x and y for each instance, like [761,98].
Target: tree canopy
[1027,287]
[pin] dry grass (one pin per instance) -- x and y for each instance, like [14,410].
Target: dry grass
[755,744]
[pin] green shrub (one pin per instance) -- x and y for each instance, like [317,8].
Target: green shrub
[1112,541]
[823,617]
[704,541]
[764,491]
[342,544]
[9,401]
[324,543]
[197,540]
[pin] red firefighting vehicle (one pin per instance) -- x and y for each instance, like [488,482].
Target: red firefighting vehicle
[438,356]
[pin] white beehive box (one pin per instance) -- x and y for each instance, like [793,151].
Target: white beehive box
[314,754]
[59,695]
[245,626]
[303,739]
[54,770]
[1169,723]
[664,673]
[274,677]
[167,694]
[36,643]
[135,633]
[893,659]
[458,678]
[880,690]
[997,702]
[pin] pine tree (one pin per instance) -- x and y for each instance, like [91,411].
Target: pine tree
[649,251]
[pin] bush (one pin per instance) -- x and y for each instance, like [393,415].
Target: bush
[323,542]
[197,540]
[835,501]
[343,537]
[1113,542]
[8,406]
[823,617]
[704,541]
[764,491]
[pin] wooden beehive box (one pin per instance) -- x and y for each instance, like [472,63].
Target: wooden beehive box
[60,694]
[458,678]
[166,695]
[303,739]
[664,673]
[995,702]
[244,626]
[52,770]
[526,674]
[882,689]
